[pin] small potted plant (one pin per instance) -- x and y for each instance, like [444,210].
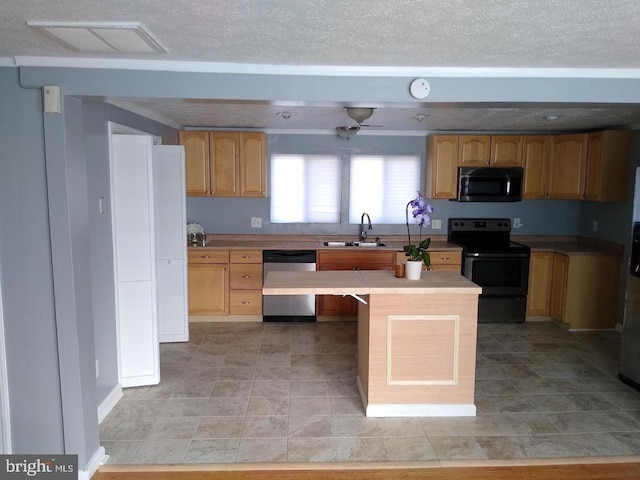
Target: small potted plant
[418,255]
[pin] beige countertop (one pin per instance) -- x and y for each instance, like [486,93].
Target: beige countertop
[365,282]
[565,245]
[291,242]
[572,247]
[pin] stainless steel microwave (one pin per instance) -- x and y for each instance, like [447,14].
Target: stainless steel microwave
[489,184]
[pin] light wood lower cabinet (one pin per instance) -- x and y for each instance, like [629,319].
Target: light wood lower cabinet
[225,283]
[208,281]
[540,271]
[245,295]
[338,306]
[584,290]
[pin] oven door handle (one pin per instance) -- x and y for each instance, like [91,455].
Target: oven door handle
[498,255]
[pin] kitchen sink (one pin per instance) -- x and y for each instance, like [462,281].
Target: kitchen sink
[353,244]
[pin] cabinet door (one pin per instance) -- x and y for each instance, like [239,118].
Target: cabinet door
[535,156]
[225,164]
[196,151]
[567,166]
[540,270]
[474,150]
[253,182]
[559,286]
[208,289]
[607,166]
[442,166]
[506,150]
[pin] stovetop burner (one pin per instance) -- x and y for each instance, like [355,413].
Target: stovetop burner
[484,236]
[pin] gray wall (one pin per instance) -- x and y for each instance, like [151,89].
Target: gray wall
[26,270]
[227,215]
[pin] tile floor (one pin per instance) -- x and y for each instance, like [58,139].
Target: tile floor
[253,392]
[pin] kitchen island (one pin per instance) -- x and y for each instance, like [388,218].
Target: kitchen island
[416,338]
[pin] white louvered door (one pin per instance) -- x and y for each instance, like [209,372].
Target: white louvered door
[135,259]
[171,243]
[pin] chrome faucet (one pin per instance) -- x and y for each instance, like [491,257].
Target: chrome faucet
[363,232]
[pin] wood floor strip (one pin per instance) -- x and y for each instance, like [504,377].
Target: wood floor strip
[584,471]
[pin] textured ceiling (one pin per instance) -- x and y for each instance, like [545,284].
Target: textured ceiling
[400,33]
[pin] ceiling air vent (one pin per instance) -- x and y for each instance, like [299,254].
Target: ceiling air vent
[101,37]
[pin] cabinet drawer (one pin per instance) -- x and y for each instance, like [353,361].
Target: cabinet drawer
[355,260]
[246,276]
[245,256]
[208,256]
[245,302]
[449,257]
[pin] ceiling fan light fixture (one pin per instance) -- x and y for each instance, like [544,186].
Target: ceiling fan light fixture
[347,132]
[359,114]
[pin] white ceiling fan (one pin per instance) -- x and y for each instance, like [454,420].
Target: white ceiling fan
[359,114]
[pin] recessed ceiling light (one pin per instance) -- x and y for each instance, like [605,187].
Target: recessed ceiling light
[101,37]
[285,115]
[419,117]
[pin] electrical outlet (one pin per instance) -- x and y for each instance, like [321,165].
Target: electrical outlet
[517,223]
[256,222]
[595,225]
[436,224]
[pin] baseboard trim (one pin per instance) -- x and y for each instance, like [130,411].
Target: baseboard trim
[414,409]
[109,402]
[421,410]
[99,458]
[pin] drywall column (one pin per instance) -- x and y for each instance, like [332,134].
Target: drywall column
[25,266]
[68,213]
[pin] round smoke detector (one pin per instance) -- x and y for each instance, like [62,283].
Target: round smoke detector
[419,88]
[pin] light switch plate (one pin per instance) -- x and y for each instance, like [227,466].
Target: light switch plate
[256,222]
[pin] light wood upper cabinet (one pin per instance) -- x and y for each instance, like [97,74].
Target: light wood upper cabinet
[540,271]
[442,166]
[474,150]
[225,164]
[506,150]
[196,154]
[607,166]
[567,166]
[535,159]
[253,178]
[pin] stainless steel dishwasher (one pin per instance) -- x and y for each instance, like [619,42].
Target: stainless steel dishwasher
[288,308]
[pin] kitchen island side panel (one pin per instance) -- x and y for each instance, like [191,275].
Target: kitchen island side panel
[422,349]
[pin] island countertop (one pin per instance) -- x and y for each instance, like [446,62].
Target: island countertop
[365,282]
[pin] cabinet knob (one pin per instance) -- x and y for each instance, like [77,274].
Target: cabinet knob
[246,276]
[204,256]
[245,303]
[445,258]
[246,256]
